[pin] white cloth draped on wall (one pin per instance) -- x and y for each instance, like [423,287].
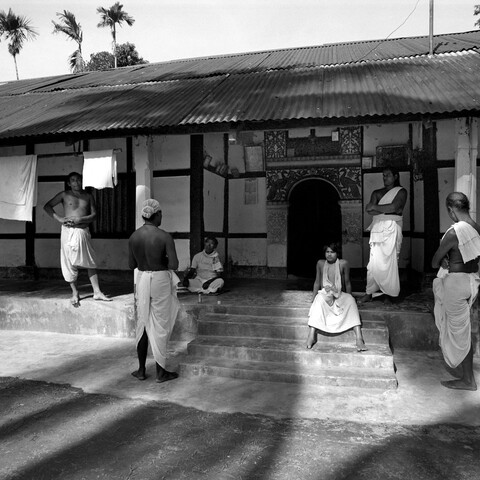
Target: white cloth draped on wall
[99,169]
[18,187]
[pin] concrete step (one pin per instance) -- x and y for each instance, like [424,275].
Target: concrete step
[216,324]
[290,352]
[273,311]
[290,373]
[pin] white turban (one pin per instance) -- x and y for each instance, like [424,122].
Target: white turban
[150,207]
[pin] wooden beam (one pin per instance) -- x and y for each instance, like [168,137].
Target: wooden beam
[430,195]
[196,194]
[30,227]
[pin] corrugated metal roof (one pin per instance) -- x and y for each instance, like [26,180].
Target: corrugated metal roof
[334,81]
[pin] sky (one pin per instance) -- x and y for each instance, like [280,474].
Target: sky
[174,29]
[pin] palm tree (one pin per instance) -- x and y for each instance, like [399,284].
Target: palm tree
[16,29]
[110,18]
[73,30]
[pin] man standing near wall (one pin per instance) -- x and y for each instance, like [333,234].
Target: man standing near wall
[455,290]
[152,251]
[386,205]
[76,250]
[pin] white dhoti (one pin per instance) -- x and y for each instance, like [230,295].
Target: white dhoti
[382,269]
[385,244]
[333,311]
[75,251]
[454,295]
[157,309]
[336,318]
[195,285]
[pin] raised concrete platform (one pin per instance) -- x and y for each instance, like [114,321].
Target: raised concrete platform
[44,306]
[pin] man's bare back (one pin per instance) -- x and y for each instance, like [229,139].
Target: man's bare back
[148,249]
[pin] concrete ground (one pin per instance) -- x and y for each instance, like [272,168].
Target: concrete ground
[102,364]
[92,419]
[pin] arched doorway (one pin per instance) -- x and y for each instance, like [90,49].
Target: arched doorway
[314,218]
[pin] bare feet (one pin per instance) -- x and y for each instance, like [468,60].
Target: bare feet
[361,345]
[460,385]
[75,301]
[139,374]
[366,298]
[101,297]
[165,376]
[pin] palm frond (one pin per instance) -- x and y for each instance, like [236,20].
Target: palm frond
[76,61]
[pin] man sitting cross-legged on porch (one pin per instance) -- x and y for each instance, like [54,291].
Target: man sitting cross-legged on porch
[334,309]
[205,274]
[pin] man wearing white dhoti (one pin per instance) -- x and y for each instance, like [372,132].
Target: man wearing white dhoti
[333,309]
[152,252]
[76,250]
[205,274]
[386,205]
[455,290]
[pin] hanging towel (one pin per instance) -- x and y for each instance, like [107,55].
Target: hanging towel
[99,169]
[18,187]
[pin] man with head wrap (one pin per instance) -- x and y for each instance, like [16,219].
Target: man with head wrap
[152,252]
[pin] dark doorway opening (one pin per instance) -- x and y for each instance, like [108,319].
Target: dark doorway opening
[314,219]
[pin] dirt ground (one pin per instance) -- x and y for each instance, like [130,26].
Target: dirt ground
[50,431]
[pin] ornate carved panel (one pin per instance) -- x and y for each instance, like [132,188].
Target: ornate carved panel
[277,225]
[276,144]
[345,179]
[351,140]
[312,146]
[351,221]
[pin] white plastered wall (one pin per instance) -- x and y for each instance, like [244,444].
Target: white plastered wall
[172,152]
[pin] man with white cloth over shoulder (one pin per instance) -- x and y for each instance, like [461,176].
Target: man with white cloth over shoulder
[386,205]
[455,290]
[152,252]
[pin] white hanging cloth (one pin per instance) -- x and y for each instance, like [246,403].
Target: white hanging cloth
[18,187]
[99,169]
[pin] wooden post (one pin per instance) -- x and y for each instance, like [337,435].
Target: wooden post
[197,228]
[226,202]
[430,196]
[30,227]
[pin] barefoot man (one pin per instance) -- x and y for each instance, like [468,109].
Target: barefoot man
[386,205]
[76,250]
[456,288]
[152,252]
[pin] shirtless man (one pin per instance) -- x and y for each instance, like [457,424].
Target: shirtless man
[386,206]
[76,249]
[456,289]
[152,252]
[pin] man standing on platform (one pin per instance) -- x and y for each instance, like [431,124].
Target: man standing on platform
[386,205]
[152,251]
[455,290]
[76,249]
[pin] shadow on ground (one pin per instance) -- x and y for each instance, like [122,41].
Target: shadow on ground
[49,431]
